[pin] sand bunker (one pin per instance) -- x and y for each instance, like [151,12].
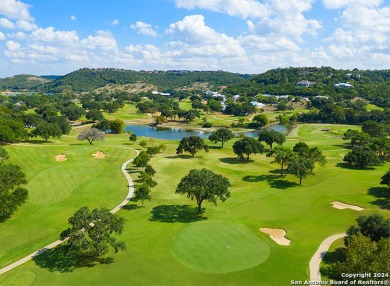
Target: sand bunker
[277,234]
[61,158]
[342,206]
[99,155]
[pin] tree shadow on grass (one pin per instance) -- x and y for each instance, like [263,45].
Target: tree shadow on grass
[182,156]
[215,147]
[383,197]
[330,258]
[235,160]
[344,146]
[130,207]
[62,259]
[133,170]
[346,166]
[274,181]
[176,213]
[38,141]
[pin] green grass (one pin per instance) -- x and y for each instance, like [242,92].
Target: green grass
[127,113]
[225,247]
[161,231]
[371,107]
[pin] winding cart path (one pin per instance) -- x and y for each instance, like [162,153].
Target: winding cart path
[315,261]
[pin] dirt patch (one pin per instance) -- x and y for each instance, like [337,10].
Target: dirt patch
[277,234]
[99,155]
[61,158]
[342,206]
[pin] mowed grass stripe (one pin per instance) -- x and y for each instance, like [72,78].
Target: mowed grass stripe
[55,184]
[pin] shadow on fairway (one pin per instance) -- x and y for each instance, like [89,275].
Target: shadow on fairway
[275,181]
[215,147]
[62,259]
[383,197]
[132,170]
[343,146]
[37,141]
[176,213]
[179,157]
[330,258]
[346,166]
[130,207]
[235,160]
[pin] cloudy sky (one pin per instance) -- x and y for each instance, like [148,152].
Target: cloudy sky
[44,37]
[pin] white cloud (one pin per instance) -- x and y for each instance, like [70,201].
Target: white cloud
[73,18]
[26,25]
[374,19]
[364,31]
[18,35]
[287,19]
[7,24]
[15,10]
[193,36]
[144,29]
[114,22]
[242,8]
[12,46]
[2,36]
[103,40]
[49,35]
[337,4]
[267,44]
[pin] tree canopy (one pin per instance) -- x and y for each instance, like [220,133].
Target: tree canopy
[221,135]
[270,136]
[361,158]
[300,167]
[91,231]
[91,135]
[142,160]
[282,156]
[374,226]
[363,255]
[204,185]
[247,146]
[46,130]
[385,179]
[192,145]
[12,195]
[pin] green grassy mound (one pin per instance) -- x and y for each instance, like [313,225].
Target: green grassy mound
[219,247]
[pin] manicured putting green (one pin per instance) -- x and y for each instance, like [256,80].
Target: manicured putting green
[216,247]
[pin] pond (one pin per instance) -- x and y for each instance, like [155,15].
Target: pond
[178,134]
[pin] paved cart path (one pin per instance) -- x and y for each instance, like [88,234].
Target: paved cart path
[315,261]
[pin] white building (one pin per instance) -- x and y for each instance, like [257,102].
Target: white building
[343,85]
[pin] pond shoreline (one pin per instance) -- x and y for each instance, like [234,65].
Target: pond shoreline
[177,133]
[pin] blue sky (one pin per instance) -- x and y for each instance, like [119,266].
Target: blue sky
[248,36]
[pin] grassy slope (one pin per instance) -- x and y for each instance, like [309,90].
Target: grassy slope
[259,199]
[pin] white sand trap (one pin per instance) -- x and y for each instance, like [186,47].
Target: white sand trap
[61,158]
[277,234]
[99,155]
[342,206]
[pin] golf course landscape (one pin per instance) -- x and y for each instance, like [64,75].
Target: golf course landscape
[168,243]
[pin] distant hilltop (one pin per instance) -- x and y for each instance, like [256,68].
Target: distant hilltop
[304,81]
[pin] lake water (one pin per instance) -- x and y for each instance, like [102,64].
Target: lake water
[178,134]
